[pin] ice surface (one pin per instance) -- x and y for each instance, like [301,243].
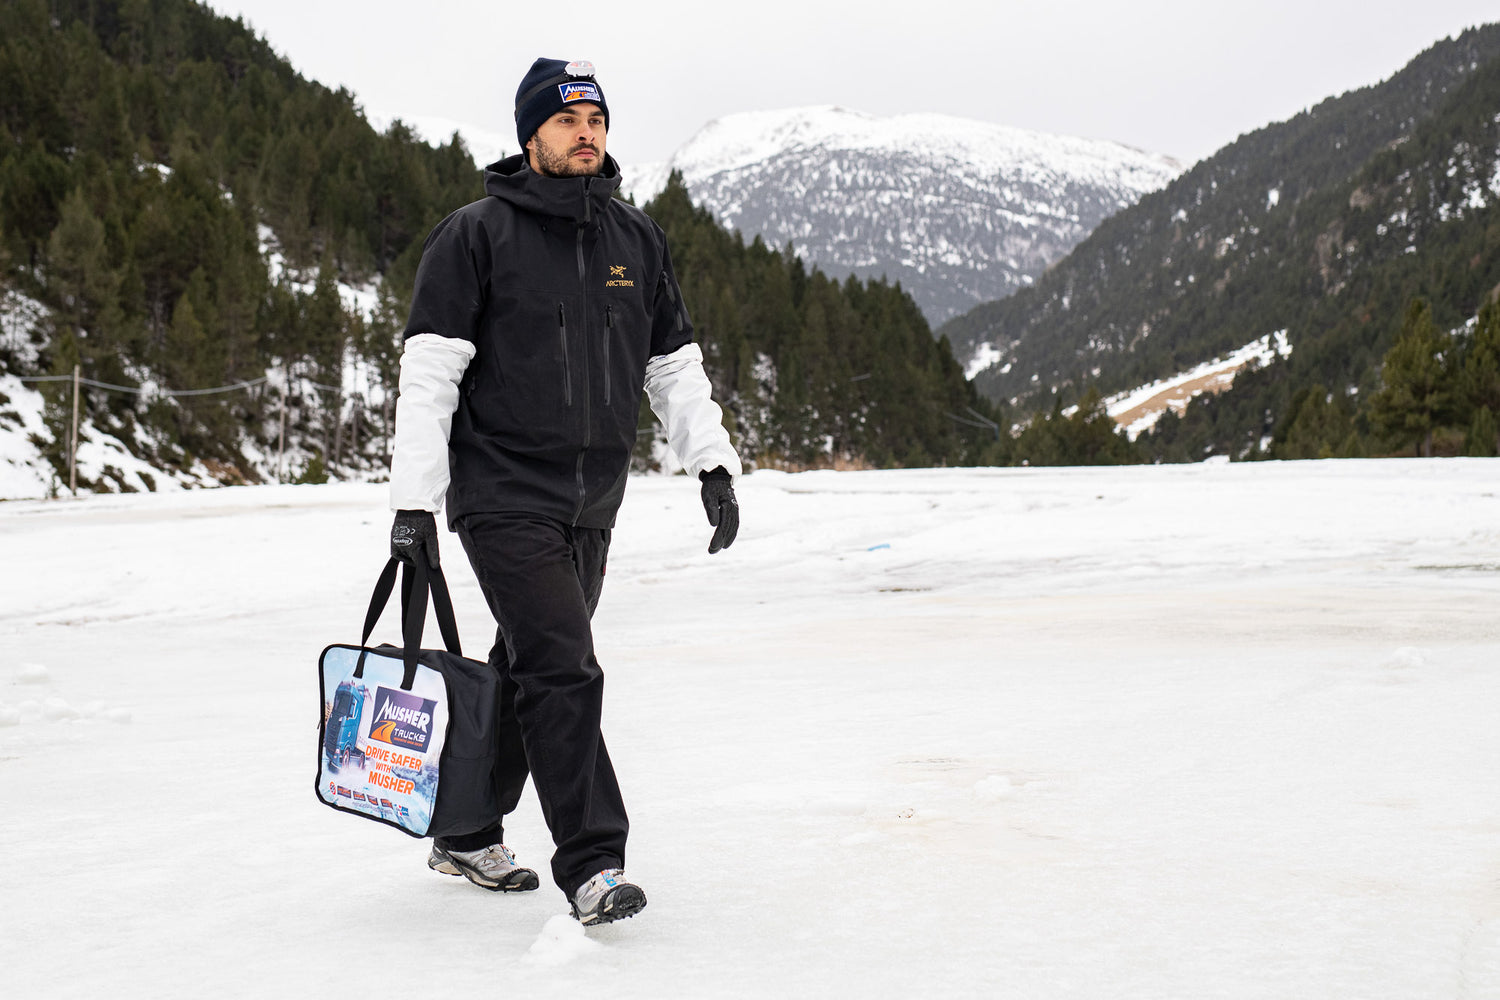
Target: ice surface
[1215,730]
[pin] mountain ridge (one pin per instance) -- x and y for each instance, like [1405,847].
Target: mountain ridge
[974,210]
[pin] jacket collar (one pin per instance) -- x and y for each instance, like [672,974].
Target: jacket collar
[576,198]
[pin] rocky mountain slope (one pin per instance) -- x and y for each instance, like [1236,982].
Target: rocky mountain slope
[959,212]
[1325,226]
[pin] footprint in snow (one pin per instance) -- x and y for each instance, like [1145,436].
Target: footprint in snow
[995,788]
[562,940]
[34,673]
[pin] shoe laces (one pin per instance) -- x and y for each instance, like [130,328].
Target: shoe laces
[604,881]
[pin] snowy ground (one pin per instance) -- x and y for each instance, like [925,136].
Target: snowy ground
[1195,731]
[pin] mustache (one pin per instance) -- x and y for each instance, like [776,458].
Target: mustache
[582,146]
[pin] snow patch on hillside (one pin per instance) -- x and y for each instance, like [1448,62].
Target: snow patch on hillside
[1138,410]
[21,317]
[985,354]
[23,471]
[26,473]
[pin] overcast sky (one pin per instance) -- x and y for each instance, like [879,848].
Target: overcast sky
[1181,77]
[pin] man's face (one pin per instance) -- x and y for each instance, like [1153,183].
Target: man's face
[570,143]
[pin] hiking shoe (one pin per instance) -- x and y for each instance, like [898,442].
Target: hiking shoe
[607,897]
[492,868]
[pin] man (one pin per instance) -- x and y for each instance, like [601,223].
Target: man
[539,315]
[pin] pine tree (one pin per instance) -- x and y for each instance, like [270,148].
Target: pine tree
[1319,426]
[82,287]
[327,331]
[1479,379]
[1483,438]
[1415,395]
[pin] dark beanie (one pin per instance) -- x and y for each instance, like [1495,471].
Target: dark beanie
[551,85]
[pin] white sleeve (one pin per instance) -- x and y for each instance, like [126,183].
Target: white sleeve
[681,397]
[431,369]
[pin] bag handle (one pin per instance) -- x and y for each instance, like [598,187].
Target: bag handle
[417,581]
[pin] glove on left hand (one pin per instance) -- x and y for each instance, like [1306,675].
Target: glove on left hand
[413,535]
[722,508]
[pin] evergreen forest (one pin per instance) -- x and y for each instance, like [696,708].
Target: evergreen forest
[223,250]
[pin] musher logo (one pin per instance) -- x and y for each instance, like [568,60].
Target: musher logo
[402,719]
[578,91]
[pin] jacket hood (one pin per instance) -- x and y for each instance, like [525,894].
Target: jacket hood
[576,198]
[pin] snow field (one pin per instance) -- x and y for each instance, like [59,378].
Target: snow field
[1209,731]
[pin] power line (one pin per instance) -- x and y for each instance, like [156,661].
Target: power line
[980,420]
[137,390]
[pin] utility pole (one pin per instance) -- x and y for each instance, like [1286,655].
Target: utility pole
[73,445]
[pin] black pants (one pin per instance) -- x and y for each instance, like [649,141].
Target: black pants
[542,580]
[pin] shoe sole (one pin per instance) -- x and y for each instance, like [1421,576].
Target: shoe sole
[618,904]
[520,880]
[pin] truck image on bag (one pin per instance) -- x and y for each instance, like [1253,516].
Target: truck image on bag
[342,727]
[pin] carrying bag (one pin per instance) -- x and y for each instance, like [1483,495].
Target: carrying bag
[406,736]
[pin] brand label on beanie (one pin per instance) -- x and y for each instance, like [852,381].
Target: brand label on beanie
[578,90]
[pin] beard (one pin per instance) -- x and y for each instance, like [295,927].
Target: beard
[555,162]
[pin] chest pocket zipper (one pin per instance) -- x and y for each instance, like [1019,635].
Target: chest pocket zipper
[609,334]
[562,336]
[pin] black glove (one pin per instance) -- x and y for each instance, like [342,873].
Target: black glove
[723,509]
[415,533]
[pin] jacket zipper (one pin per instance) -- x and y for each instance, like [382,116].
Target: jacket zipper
[587,416]
[562,336]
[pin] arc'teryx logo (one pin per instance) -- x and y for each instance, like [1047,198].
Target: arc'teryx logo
[617,277]
[402,719]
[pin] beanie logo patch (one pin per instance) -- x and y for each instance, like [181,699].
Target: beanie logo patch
[578,90]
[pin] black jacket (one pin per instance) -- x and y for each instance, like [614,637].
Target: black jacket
[566,292]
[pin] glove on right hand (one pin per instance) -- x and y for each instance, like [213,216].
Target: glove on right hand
[414,536]
[722,508]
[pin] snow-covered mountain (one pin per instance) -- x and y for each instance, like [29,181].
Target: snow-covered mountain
[958,211]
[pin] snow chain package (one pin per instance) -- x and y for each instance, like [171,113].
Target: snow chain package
[406,736]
